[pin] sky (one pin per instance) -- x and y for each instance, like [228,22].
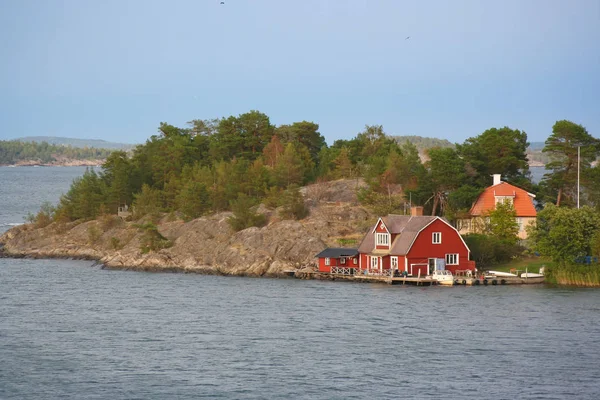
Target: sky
[115,69]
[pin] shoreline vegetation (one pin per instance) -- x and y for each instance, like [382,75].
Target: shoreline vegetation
[241,196]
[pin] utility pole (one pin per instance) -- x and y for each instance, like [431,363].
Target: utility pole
[578,162]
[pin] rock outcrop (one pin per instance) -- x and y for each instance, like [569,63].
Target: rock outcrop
[204,245]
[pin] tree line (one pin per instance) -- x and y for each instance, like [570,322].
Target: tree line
[209,165]
[13,151]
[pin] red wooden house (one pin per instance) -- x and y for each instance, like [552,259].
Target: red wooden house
[413,243]
[336,257]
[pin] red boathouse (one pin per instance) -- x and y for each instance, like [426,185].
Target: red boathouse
[337,257]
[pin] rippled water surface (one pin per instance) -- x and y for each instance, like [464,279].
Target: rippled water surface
[70,330]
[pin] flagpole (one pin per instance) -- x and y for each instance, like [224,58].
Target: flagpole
[578,162]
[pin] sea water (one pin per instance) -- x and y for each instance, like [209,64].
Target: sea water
[71,330]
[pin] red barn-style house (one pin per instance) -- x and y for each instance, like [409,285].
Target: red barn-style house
[414,244]
[335,258]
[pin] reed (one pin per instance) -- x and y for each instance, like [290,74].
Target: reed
[586,275]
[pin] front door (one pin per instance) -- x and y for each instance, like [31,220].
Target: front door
[431,264]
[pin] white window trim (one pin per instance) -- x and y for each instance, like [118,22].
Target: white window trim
[374,264]
[452,256]
[327,261]
[342,260]
[439,238]
[355,261]
[382,239]
[394,262]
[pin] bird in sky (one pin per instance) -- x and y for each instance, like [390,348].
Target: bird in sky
[408,37]
[222,2]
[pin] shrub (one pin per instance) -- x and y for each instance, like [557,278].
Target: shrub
[292,202]
[151,239]
[244,215]
[116,243]
[93,234]
[488,250]
[44,216]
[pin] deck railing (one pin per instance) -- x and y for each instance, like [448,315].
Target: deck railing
[343,270]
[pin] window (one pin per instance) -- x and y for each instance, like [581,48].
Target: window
[383,239]
[374,263]
[327,261]
[451,259]
[343,260]
[504,199]
[520,223]
[394,261]
[437,238]
[355,261]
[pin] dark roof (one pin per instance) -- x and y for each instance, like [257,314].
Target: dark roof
[337,252]
[406,228]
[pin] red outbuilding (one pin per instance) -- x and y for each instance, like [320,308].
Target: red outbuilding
[333,258]
[413,243]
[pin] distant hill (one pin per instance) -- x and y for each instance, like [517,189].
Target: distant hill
[80,143]
[536,145]
[423,143]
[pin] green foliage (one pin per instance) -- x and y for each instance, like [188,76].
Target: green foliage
[565,233]
[292,203]
[487,250]
[244,215]
[116,243]
[380,203]
[151,239]
[423,143]
[13,151]
[273,197]
[44,216]
[562,147]
[194,200]
[503,223]
[148,202]
[94,234]
[84,199]
[497,151]
[445,173]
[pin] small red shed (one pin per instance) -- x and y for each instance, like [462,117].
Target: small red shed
[414,243]
[337,257]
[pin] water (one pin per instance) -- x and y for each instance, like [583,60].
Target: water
[24,189]
[71,330]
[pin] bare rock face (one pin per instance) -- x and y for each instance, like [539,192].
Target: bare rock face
[204,245]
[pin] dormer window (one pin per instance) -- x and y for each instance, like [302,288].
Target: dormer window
[382,239]
[504,199]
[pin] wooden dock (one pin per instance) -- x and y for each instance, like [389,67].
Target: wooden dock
[415,281]
[498,280]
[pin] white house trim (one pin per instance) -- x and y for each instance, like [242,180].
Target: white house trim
[380,222]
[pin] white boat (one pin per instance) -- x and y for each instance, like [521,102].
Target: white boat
[502,274]
[443,277]
[531,275]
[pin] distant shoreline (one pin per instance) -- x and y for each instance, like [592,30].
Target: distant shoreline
[70,163]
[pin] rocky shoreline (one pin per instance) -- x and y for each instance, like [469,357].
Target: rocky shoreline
[206,245]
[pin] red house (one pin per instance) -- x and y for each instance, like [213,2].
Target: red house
[413,243]
[338,257]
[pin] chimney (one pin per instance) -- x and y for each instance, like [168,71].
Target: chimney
[416,211]
[497,178]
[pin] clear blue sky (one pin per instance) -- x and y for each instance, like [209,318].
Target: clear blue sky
[114,69]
